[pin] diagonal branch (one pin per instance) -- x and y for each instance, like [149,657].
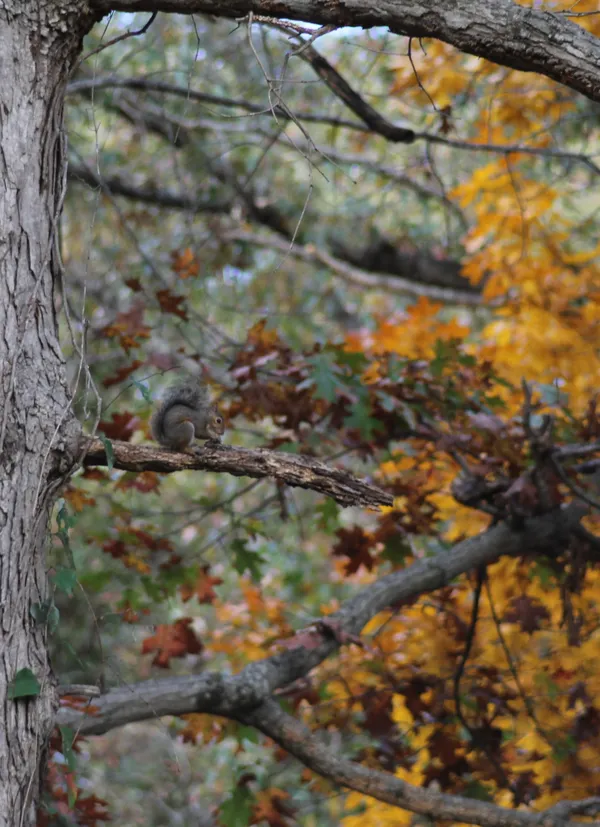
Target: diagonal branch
[428,276]
[229,695]
[531,40]
[363,110]
[295,737]
[292,469]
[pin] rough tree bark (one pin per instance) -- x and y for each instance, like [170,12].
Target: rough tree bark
[39,40]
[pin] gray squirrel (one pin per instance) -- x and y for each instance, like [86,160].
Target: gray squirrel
[185,414]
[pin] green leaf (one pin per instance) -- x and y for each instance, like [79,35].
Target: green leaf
[143,389]
[360,416]
[479,791]
[543,573]
[396,549]
[64,580]
[64,520]
[95,581]
[289,448]
[152,589]
[247,560]
[356,361]
[442,355]
[545,683]
[247,733]
[46,614]
[329,515]
[110,454]
[564,749]
[325,377]
[24,685]
[236,811]
[68,738]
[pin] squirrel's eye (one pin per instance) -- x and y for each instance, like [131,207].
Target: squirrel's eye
[218,420]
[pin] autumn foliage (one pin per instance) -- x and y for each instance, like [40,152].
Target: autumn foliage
[469,416]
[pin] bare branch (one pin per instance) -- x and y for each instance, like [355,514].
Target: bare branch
[223,694]
[145,194]
[292,469]
[354,275]
[147,85]
[531,40]
[428,276]
[143,84]
[118,39]
[363,110]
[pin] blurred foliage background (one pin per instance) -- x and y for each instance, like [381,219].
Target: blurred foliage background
[362,245]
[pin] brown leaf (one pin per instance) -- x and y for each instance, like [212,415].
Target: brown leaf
[145,481]
[171,303]
[134,284]
[128,327]
[172,641]
[122,426]
[528,613]
[77,498]
[354,544]
[270,806]
[202,588]
[122,373]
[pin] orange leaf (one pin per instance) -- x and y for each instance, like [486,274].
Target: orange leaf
[184,263]
[202,588]
[172,641]
[270,806]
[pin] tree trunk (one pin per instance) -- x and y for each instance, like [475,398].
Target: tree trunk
[39,40]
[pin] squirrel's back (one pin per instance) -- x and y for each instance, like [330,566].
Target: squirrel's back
[185,413]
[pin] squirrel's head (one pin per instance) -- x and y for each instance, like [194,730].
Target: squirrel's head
[215,427]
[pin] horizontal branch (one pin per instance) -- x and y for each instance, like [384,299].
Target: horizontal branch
[85,85]
[354,275]
[300,471]
[329,152]
[229,695]
[531,40]
[145,194]
[424,270]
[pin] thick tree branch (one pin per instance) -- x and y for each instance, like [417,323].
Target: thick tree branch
[509,34]
[357,277]
[292,469]
[221,694]
[299,741]
[413,274]
[145,194]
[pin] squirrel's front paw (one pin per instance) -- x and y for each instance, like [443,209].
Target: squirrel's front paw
[213,443]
